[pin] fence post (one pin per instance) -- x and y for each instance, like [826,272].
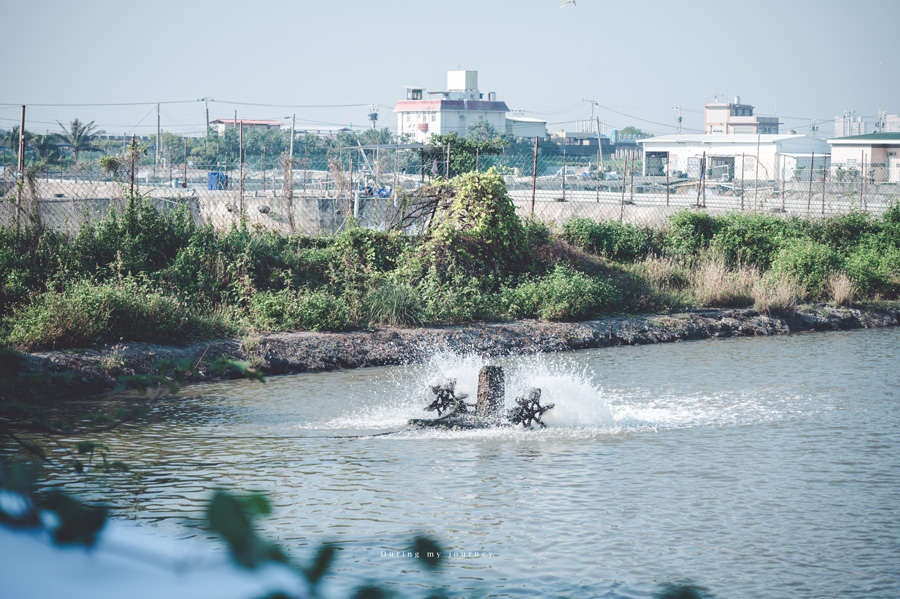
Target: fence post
[564,173]
[631,183]
[823,186]
[756,188]
[287,184]
[667,181]
[862,183]
[622,201]
[781,180]
[241,167]
[21,168]
[599,159]
[812,161]
[354,208]
[742,182]
[534,175]
[448,161]
[184,183]
[702,178]
[131,189]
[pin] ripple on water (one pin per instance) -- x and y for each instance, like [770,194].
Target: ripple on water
[699,462]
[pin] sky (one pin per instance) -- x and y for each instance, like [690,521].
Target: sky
[327,61]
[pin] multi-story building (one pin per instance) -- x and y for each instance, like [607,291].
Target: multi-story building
[422,114]
[731,118]
[887,123]
[848,125]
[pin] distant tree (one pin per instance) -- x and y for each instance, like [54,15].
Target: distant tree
[482,131]
[47,147]
[631,130]
[464,153]
[79,135]
[376,136]
[11,139]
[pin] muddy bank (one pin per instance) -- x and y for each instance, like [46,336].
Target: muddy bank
[93,371]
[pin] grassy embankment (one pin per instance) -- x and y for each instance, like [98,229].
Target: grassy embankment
[155,277]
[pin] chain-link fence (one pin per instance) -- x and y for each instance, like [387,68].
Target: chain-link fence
[386,187]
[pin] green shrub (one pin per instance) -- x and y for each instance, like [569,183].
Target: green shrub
[843,232]
[87,315]
[754,238]
[366,249]
[394,304]
[477,233]
[612,239]
[143,240]
[875,267]
[299,310]
[455,298]
[30,259]
[537,233]
[564,294]
[691,231]
[807,262]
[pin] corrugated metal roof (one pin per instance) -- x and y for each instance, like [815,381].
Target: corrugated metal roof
[868,138]
[735,138]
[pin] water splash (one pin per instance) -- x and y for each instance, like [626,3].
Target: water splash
[583,407]
[406,391]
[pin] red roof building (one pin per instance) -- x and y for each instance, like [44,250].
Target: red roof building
[422,115]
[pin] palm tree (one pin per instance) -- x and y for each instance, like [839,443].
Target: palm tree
[79,135]
[11,139]
[47,146]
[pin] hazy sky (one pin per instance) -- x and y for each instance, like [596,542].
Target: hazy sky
[328,60]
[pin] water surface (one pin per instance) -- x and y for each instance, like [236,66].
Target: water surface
[762,467]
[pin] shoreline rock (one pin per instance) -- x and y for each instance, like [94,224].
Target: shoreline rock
[95,370]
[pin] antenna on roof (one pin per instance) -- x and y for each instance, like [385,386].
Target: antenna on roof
[677,111]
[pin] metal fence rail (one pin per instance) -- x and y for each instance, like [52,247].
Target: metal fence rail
[319,195]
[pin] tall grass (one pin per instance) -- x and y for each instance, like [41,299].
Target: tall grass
[88,315]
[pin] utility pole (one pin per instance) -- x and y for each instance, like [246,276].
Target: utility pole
[158,139]
[241,164]
[21,167]
[293,122]
[206,101]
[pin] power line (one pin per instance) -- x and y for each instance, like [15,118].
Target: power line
[290,105]
[102,104]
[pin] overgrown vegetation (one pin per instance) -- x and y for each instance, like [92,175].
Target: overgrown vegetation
[146,273]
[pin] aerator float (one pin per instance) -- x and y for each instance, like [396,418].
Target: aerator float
[487,412]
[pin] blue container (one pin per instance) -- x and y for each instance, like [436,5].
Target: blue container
[216,181]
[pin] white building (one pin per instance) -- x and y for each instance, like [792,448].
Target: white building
[887,123]
[766,157]
[733,118]
[876,154]
[526,127]
[422,115]
[848,124]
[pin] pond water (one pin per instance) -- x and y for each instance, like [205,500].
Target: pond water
[755,467]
